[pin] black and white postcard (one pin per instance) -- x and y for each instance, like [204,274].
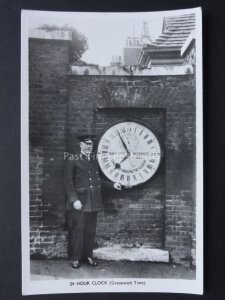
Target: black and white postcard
[112,152]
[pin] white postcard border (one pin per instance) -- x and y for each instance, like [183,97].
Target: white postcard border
[70,286]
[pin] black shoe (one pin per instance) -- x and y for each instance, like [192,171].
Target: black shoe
[91,262]
[76,264]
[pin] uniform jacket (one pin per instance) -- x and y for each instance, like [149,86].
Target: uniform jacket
[82,182]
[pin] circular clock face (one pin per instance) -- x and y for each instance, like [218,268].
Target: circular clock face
[129,153]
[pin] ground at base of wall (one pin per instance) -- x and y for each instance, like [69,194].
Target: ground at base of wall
[61,269]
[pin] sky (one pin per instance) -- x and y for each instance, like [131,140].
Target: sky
[106,32]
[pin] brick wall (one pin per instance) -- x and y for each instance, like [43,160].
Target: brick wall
[175,95]
[158,214]
[48,63]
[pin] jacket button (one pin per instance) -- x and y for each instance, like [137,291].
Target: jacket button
[89,178]
[91,186]
[99,186]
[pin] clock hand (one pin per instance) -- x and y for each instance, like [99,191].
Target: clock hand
[130,152]
[124,145]
[125,158]
[118,165]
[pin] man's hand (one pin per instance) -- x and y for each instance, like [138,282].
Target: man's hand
[117,186]
[77,205]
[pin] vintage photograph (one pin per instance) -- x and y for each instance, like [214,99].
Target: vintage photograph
[112,162]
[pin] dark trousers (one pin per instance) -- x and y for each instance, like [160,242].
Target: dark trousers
[82,230]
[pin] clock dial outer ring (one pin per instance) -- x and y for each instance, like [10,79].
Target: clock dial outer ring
[138,122]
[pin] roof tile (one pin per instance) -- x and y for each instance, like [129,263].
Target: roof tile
[175,31]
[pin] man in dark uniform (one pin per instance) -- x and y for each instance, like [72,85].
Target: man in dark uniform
[83,200]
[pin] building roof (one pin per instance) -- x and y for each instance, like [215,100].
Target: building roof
[175,31]
[167,48]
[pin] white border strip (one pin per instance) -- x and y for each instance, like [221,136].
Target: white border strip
[199,152]
[25,226]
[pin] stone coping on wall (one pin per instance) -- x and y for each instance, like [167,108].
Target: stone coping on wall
[131,71]
[62,35]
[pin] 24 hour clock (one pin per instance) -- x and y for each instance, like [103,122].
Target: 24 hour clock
[129,153]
